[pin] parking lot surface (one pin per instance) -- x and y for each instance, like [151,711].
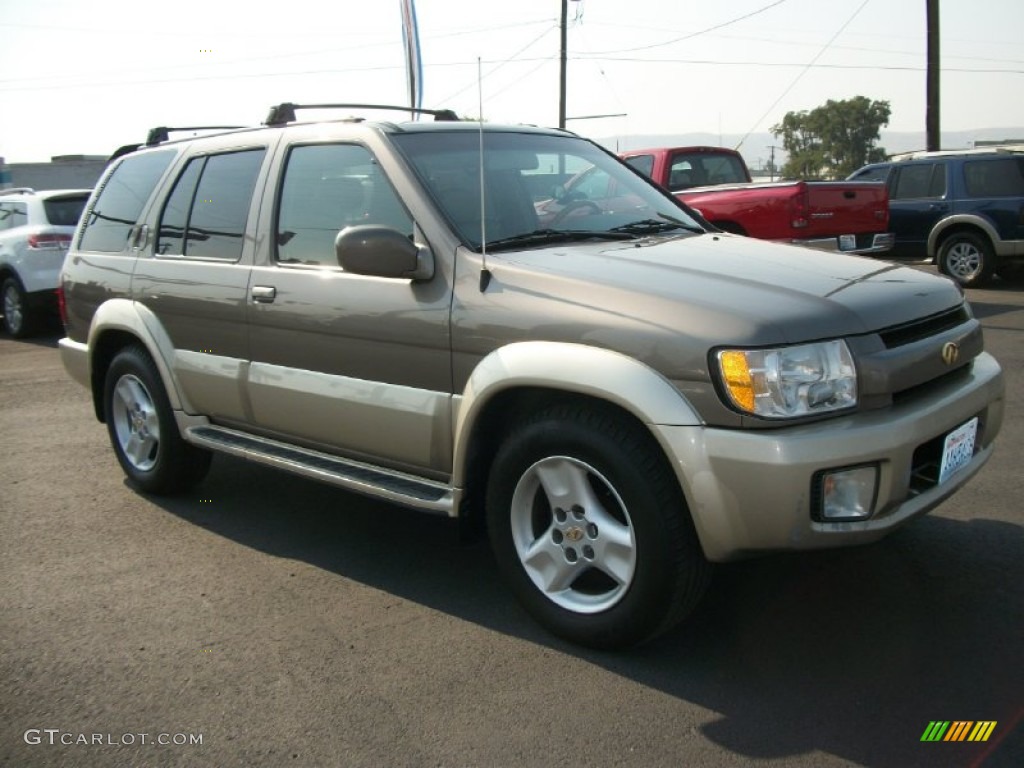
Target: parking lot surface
[267,620]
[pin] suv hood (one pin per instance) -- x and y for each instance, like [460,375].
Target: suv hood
[729,289]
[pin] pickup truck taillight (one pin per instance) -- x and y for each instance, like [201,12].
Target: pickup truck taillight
[799,218]
[49,241]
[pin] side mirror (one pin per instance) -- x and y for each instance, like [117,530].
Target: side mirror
[369,249]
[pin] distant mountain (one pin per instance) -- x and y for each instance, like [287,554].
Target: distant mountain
[756,148]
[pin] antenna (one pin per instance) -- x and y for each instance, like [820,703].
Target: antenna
[485,274]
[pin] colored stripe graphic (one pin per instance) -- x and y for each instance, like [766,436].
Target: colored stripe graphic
[958,730]
[935,731]
[982,730]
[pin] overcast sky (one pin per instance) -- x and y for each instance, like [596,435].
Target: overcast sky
[86,77]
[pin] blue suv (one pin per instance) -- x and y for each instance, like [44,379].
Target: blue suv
[963,210]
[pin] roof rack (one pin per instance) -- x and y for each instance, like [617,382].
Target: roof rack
[285,113]
[1001,149]
[18,191]
[162,133]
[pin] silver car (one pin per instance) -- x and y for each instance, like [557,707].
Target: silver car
[618,396]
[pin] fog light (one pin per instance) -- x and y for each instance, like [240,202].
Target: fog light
[845,495]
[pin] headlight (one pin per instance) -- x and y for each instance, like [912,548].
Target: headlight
[789,382]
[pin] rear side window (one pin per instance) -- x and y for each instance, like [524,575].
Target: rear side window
[922,180]
[995,178]
[64,211]
[206,213]
[121,201]
[643,163]
[696,169]
[881,173]
[13,215]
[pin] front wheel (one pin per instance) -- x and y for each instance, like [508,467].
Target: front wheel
[967,258]
[591,530]
[142,428]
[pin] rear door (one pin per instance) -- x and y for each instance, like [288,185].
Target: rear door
[194,275]
[994,188]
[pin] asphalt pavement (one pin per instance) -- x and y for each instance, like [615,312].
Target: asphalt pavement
[266,620]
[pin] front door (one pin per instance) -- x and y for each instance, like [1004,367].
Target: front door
[354,365]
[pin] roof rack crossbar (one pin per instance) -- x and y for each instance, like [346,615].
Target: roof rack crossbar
[285,113]
[162,133]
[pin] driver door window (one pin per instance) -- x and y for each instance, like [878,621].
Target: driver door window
[326,188]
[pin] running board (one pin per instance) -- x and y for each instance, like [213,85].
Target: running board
[387,484]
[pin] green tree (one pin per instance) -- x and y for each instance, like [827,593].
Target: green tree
[833,140]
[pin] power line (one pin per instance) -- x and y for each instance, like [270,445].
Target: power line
[803,72]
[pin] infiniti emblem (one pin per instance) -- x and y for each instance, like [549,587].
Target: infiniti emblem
[950,353]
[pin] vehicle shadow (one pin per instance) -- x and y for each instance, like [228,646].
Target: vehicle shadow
[848,652]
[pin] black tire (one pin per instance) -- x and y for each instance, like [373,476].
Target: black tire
[19,320]
[142,428]
[968,258]
[622,513]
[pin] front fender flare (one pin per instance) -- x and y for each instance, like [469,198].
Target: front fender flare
[592,371]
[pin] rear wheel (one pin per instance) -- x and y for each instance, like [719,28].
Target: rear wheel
[967,258]
[590,528]
[17,318]
[142,428]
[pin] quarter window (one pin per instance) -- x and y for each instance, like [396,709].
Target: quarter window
[206,213]
[119,204]
[995,178]
[13,215]
[326,188]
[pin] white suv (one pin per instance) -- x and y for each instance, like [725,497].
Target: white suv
[35,231]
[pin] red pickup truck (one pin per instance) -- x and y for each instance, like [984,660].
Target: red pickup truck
[831,215]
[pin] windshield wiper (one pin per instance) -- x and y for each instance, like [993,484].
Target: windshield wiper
[548,236]
[656,226]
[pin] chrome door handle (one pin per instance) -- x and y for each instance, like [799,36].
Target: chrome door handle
[264,294]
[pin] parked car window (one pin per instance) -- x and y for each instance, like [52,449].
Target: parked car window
[1003,177]
[696,169]
[121,201]
[220,208]
[64,211]
[922,180]
[880,173]
[643,163]
[13,215]
[326,188]
[174,221]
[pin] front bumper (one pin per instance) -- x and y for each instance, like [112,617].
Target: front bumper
[750,491]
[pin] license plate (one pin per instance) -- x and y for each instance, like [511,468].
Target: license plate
[847,242]
[958,449]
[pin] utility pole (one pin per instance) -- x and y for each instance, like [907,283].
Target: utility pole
[562,58]
[561,64]
[932,129]
[771,162]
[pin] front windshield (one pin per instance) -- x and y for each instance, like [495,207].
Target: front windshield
[538,188]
